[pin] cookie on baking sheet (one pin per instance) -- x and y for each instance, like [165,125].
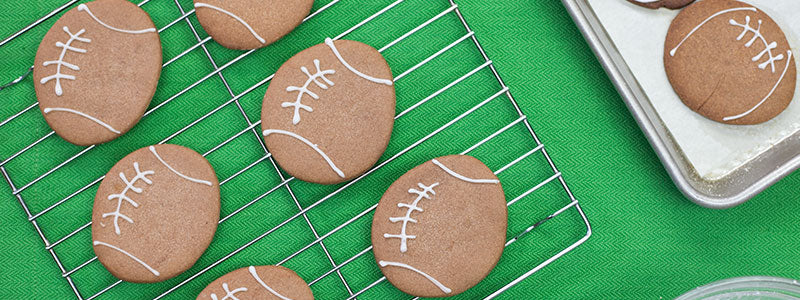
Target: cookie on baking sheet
[730,62]
[155,213]
[250,24]
[329,111]
[441,227]
[671,4]
[260,282]
[96,71]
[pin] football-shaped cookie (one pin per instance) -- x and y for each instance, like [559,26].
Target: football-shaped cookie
[730,62]
[155,213]
[96,71]
[671,4]
[250,24]
[259,282]
[328,113]
[441,227]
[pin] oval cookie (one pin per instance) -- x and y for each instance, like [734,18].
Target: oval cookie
[441,227]
[730,62]
[250,24]
[328,113]
[96,71]
[261,282]
[671,4]
[155,213]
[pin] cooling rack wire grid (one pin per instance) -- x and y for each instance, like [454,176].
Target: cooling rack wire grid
[336,239]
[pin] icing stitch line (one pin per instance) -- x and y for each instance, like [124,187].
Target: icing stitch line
[261,282]
[788,62]
[47,110]
[85,8]
[153,149]
[438,284]
[237,18]
[672,52]
[462,177]
[329,42]
[320,74]
[99,243]
[229,295]
[407,218]
[129,186]
[60,62]
[307,142]
[768,47]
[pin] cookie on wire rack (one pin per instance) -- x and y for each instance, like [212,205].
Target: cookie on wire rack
[258,282]
[250,24]
[730,62]
[155,213]
[441,227]
[96,71]
[328,113]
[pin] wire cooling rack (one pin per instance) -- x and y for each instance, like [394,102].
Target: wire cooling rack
[275,219]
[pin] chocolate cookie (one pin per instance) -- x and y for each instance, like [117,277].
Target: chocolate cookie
[155,213]
[250,24]
[262,282]
[96,71]
[441,227]
[328,113]
[730,62]
[654,4]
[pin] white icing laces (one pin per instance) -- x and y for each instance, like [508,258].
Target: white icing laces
[768,47]
[122,197]
[252,270]
[320,74]
[410,208]
[60,62]
[315,78]
[229,294]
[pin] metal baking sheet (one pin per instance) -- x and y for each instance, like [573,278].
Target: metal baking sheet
[760,171]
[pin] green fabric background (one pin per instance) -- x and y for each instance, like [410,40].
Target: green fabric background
[649,241]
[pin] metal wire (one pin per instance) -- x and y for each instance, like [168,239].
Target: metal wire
[250,127]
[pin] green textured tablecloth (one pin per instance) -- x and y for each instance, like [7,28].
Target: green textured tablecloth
[649,241]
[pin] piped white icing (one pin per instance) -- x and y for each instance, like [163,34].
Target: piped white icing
[768,47]
[329,42]
[153,149]
[320,74]
[123,197]
[462,177]
[148,267]
[232,15]
[438,284]
[48,110]
[261,282]
[60,62]
[85,8]
[229,294]
[410,208]
[788,62]
[310,144]
[725,11]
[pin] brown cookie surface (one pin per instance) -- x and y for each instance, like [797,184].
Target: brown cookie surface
[259,282]
[250,24]
[730,62]
[96,71]
[329,111]
[441,227]
[671,4]
[155,213]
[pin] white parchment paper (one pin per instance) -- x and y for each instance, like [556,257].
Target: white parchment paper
[714,149]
